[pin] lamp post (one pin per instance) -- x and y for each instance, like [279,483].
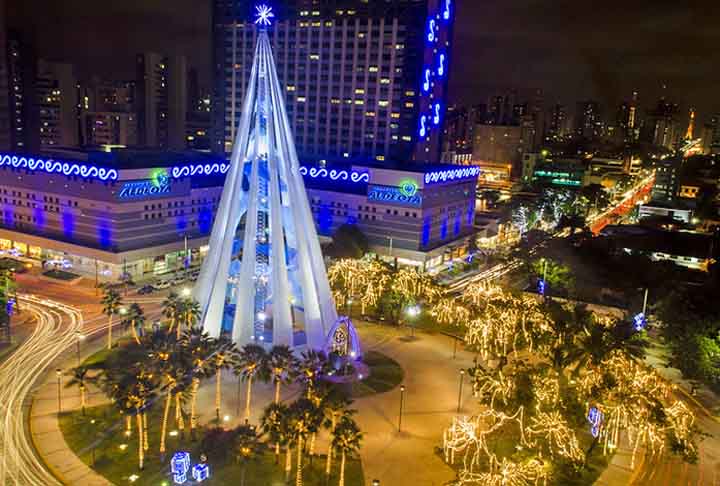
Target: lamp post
[412,312]
[462,377]
[402,399]
[58,373]
[645,299]
[80,337]
[348,304]
[455,340]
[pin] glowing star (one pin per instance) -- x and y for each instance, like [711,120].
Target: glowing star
[264,15]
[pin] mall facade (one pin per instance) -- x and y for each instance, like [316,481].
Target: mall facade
[148,213]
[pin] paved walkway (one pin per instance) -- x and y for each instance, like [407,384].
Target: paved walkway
[45,429]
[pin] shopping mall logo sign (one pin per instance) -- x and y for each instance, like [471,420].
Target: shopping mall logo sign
[157,184]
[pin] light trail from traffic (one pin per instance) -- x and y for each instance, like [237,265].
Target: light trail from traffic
[19,464]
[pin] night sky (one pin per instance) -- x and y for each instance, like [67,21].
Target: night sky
[572,49]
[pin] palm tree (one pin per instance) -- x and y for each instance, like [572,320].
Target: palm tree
[302,417]
[247,448]
[283,366]
[198,347]
[273,418]
[313,365]
[251,363]
[171,309]
[79,377]
[136,318]
[111,302]
[191,312]
[335,408]
[346,439]
[224,350]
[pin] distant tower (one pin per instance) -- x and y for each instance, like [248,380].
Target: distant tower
[264,279]
[691,125]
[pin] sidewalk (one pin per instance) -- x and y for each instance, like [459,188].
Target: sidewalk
[45,430]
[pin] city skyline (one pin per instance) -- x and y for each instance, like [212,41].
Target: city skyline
[571,52]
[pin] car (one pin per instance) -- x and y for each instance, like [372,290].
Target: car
[177,281]
[162,284]
[146,289]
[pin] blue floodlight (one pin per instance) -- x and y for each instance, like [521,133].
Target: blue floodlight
[541,287]
[264,15]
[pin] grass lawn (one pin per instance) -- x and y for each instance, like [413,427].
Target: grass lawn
[385,374]
[118,463]
[60,275]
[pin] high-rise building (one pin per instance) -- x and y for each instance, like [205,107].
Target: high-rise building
[109,128]
[662,126]
[24,130]
[360,79]
[161,100]
[556,129]
[588,121]
[57,104]
[499,144]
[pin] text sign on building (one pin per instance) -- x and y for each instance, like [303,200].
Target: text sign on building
[394,195]
[157,185]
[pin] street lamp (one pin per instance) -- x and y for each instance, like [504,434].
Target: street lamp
[349,302]
[412,312]
[402,398]
[80,337]
[186,292]
[58,373]
[462,377]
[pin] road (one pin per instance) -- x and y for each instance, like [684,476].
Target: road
[54,336]
[19,464]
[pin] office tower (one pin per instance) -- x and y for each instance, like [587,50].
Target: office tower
[57,104]
[588,123]
[199,117]
[361,79]
[662,126]
[161,102]
[107,115]
[557,126]
[24,129]
[5,142]
[264,279]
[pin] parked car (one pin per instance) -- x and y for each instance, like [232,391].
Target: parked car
[177,281]
[162,284]
[146,289]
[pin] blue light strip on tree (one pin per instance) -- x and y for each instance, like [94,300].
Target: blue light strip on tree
[51,166]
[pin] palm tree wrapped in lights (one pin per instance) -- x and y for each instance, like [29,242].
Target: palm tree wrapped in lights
[346,439]
[111,302]
[283,367]
[224,350]
[79,378]
[272,423]
[198,347]
[251,362]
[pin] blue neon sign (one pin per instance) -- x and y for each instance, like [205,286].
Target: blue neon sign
[436,114]
[200,472]
[459,173]
[441,65]
[393,195]
[201,169]
[426,81]
[423,128]
[446,9]
[51,166]
[141,189]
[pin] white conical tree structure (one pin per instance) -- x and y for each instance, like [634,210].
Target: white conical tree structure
[263,280]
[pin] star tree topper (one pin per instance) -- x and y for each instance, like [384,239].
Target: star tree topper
[264,15]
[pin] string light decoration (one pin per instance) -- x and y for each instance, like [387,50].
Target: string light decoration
[560,439]
[450,312]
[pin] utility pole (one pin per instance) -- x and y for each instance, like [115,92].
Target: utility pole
[644,308]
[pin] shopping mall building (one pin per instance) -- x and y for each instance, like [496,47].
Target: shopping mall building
[105,213]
